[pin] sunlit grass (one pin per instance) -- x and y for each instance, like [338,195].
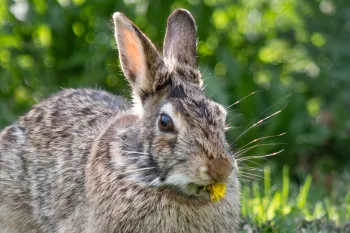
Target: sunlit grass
[286,208]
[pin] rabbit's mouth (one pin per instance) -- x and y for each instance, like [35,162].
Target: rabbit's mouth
[195,191]
[215,191]
[203,189]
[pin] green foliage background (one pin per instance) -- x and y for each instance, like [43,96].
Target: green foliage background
[294,53]
[297,47]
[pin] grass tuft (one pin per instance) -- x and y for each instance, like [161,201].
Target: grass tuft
[285,207]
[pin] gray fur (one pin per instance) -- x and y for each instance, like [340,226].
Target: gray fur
[88,161]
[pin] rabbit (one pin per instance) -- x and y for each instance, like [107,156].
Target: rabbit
[87,161]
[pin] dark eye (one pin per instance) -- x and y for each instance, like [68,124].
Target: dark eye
[165,123]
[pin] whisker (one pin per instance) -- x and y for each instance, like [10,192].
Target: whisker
[263,138]
[135,152]
[153,181]
[258,123]
[243,151]
[134,157]
[236,115]
[136,170]
[245,181]
[250,169]
[244,166]
[238,101]
[250,174]
[252,178]
[287,96]
[249,161]
[260,156]
[261,123]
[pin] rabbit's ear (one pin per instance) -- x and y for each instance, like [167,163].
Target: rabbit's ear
[180,39]
[138,56]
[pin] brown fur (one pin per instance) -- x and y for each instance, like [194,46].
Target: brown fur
[88,161]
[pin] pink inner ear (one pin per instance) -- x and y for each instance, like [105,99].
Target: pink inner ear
[133,52]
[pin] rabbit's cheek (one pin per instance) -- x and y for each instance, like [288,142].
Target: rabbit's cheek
[178,179]
[234,173]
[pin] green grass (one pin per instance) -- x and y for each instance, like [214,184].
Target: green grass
[284,207]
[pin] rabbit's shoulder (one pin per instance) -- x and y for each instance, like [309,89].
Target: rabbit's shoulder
[74,109]
[53,140]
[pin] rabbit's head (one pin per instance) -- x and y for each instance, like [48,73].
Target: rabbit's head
[181,128]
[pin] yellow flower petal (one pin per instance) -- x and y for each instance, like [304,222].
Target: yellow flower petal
[216,191]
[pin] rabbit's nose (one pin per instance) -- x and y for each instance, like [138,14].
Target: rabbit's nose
[220,169]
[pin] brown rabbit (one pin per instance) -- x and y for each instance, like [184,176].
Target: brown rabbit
[86,161]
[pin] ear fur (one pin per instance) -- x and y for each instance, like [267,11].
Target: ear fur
[180,39]
[138,56]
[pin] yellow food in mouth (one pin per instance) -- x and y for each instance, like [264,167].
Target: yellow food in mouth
[216,191]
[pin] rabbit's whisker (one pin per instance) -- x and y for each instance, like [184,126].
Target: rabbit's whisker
[243,151]
[245,181]
[238,101]
[153,181]
[287,96]
[249,161]
[258,123]
[241,164]
[135,152]
[246,168]
[251,178]
[136,170]
[262,138]
[260,156]
[250,175]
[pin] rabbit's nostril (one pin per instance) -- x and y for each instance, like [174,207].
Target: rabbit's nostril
[220,169]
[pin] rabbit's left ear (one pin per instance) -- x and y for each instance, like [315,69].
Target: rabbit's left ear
[138,56]
[180,42]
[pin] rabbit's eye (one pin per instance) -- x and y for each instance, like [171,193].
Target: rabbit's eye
[165,123]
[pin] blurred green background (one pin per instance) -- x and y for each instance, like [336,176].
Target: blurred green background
[295,53]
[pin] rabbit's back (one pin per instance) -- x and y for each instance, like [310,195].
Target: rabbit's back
[43,156]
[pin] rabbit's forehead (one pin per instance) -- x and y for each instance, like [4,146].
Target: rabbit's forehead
[194,108]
